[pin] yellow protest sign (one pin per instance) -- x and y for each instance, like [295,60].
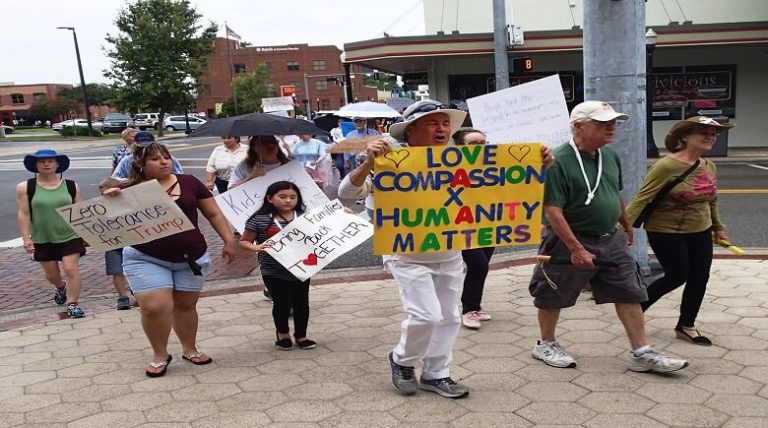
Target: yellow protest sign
[430,199]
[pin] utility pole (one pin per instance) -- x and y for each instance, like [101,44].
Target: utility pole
[347,84]
[500,40]
[614,72]
[82,80]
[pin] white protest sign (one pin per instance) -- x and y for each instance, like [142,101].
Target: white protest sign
[239,203]
[316,238]
[531,112]
[139,214]
[399,104]
[276,103]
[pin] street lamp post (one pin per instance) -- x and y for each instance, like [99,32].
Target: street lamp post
[82,79]
[650,45]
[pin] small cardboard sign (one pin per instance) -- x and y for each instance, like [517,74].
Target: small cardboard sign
[139,214]
[276,104]
[316,238]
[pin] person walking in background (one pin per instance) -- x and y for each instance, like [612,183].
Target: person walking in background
[282,203]
[310,152]
[583,206]
[45,234]
[337,135]
[167,274]
[681,226]
[222,161]
[123,168]
[123,149]
[263,155]
[361,131]
[113,259]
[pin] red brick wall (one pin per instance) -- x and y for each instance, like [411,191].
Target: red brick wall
[217,80]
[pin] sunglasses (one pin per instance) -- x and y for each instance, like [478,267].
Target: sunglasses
[426,108]
[145,144]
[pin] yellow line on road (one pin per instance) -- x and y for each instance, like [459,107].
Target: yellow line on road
[741,191]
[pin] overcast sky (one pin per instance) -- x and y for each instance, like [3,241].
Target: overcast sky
[34,51]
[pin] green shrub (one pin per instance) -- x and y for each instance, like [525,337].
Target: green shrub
[78,131]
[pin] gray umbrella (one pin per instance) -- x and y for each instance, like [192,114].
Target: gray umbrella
[256,124]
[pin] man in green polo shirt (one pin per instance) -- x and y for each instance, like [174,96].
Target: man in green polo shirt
[583,207]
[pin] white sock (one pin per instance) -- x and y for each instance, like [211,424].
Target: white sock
[547,342]
[641,350]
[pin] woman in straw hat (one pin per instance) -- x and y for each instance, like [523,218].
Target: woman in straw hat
[45,234]
[681,227]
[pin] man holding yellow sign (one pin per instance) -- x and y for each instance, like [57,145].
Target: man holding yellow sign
[431,202]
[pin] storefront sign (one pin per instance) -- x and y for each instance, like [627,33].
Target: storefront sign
[699,90]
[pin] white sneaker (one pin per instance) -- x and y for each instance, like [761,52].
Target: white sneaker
[654,361]
[471,320]
[553,354]
[483,316]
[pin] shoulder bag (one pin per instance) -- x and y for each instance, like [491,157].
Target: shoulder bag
[660,195]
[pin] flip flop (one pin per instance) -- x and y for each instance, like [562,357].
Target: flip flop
[197,358]
[164,365]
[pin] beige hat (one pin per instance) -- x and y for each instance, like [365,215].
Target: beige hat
[423,108]
[596,110]
[685,127]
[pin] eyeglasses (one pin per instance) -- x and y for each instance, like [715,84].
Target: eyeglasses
[144,143]
[426,108]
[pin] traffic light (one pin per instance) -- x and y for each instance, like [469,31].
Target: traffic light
[522,64]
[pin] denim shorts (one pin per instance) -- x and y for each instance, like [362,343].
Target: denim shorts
[113,260]
[145,273]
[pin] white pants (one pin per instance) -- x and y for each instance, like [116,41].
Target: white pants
[430,295]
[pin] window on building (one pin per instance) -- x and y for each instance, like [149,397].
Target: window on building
[326,104]
[17,98]
[297,85]
[240,68]
[318,64]
[269,65]
[293,65]
[39,96]
[321,85]
[206,89]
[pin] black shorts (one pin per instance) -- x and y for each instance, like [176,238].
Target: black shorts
[621,284]
[47,252]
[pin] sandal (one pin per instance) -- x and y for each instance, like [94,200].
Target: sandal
[698,339]
[164,365]
[198,358]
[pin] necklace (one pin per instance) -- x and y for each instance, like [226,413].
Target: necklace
[277,223]
[590,190]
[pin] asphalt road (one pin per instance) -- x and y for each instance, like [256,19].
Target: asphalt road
[743,192]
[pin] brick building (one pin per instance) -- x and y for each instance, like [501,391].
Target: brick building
[16,100]
[288,64]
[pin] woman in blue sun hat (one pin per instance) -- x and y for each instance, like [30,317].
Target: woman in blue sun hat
[45,234]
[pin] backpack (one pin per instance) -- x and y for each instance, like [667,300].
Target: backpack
[32,186]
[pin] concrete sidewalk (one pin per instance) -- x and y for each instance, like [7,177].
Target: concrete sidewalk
[89,372]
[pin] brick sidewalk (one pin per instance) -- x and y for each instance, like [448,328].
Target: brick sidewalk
[23,285]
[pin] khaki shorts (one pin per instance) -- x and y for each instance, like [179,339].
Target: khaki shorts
[621,284]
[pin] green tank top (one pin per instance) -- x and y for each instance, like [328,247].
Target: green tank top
[47,225]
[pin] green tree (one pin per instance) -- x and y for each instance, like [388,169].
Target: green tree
[99,94]
[250,87]
[158,55]
[52,108]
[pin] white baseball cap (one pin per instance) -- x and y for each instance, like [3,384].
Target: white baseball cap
[596,110]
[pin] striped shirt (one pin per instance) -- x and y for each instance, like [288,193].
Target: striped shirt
[265,227]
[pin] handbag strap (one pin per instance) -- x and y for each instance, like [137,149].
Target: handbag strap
[664,190]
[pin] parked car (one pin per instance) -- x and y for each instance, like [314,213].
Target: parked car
[8,129]
[116,122]
[146,120]
[76,122]
[173,123]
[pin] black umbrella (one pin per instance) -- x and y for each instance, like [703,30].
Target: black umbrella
[256,124]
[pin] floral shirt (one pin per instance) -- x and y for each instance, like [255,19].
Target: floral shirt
[119,153]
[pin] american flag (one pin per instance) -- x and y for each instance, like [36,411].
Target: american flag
[231,34]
